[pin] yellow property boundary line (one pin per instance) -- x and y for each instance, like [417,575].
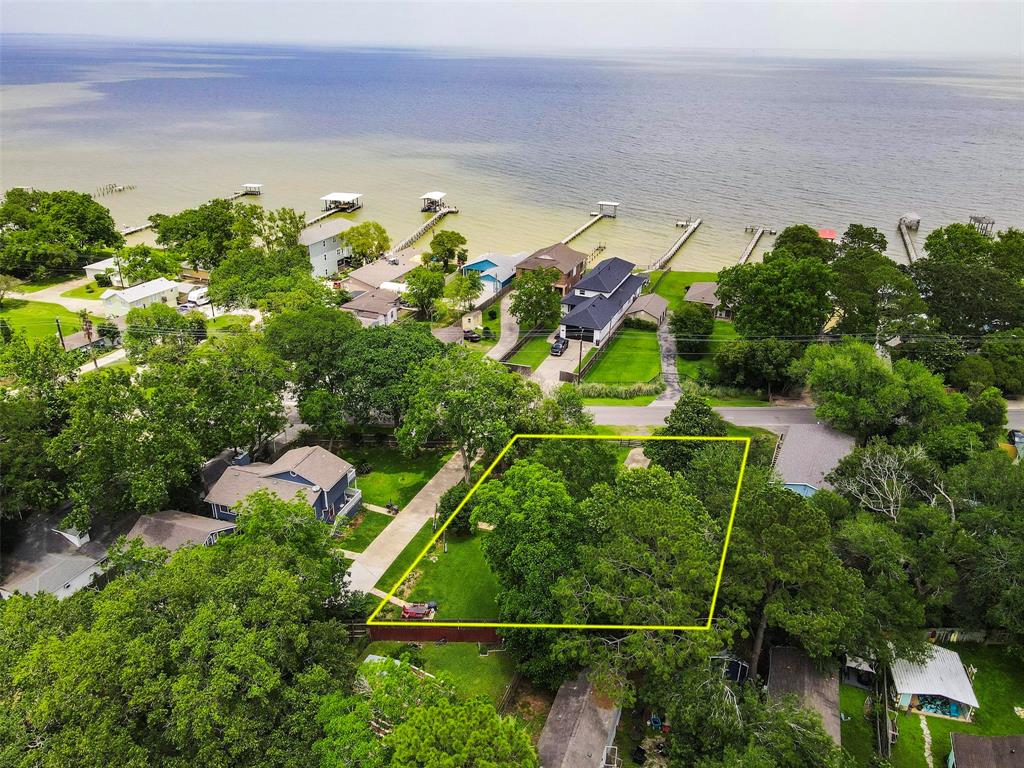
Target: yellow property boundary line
[372,621]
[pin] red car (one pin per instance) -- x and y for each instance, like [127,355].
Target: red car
[419,611]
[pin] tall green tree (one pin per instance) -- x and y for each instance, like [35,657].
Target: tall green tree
[219,656]
[8,283]
[424,286]
[139,263]
[448,246]
[29,480]
[873,296]
[464,289]
[535,303]
[803,242]
[764,364]
[45,232]
[692,325]
[202,236]
[475,402]
[160,326]
[691,416]
[368,241]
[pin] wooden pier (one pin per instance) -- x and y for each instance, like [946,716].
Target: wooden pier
[428,225]
[128,230]
[908,242]
[690,228]
[605,209]
[247,189]
[759,232]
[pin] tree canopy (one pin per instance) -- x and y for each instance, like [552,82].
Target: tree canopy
[447,246]
[535,303]
[368,241]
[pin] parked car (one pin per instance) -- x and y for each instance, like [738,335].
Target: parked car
[561,344]
[419,611]
[471,336]
[187,306]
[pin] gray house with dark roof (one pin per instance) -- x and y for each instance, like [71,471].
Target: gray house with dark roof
[324,481]
[597,303]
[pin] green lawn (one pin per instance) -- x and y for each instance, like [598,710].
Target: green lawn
[31,286]
[88,291]
[999,686]
[406,558]
[632,356]
[673,286]
[394,477]
[459,581]
[365,528]
[120,365]
[38,318]
[858,733]
[532,353]
[461,664]
[494,325]
[223,324]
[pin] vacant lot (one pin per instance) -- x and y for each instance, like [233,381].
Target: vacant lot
[459,581]
[673,285]
[393,476]
[632,356]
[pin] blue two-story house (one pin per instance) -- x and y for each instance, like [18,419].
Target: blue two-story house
[326,482]
[496,269]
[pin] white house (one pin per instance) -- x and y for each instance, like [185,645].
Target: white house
[159,291]
[327,249]
[103,267]
[595,306]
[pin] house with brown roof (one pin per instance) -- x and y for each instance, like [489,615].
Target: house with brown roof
[792,673]
[970,751]
[384,272]
[650,308]
[374,307]
[173,530]
[314,475]
[704,293]
[570,263]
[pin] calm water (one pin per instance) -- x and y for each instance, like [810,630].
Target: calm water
[525,146]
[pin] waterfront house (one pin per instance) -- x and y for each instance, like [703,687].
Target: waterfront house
[496,270]
[173,530]
[384,272]
[596,305]
[650,308]
[791,672]
[374,307]
[314,475]
[970,751]
[122,301]
[938,686]
[704,293]
[326,245]
[570,263]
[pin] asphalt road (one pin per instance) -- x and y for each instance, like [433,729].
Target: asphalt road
[767,416]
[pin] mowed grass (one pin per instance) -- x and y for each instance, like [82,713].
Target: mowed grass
[459,581]
[365,528]
[393,477]
[673,286]
[31,286]
[90,290]
[225,324]
[858,733]
[532,353]
[469,673]
[632,356]
[38,318]
[406,558]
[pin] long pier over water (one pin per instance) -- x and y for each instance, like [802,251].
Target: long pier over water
[666,257]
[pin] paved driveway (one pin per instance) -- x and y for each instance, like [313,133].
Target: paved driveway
[509,329]
[546,374]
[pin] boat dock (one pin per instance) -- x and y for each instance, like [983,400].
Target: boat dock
[605,209]
[908,222]
[128,230]
[247,189]
[759,232]
[428,225]
[690,227]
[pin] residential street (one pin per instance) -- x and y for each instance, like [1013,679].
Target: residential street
[370,565]
[509,329]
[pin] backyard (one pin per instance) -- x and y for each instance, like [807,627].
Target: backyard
[394,478]
[31,286]
[533,352]
[38,318]
[224,324]
[858,733]
[470,673]
[406,558]
[673,285]
[459,581]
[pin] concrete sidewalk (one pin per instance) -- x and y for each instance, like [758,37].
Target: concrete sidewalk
[370,565]
[509,329]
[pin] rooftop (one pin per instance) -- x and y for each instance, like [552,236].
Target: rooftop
[317,466]
[595,312]
[703,293]
[378,301]
[432,196]
[324,229]
[172,530]
[792,672]
[809,452]
[141,291]
[342,197]
[651,303]
[558,256]
[504,264]
[381,271]
[579,727]
[606,276]
[941,675]
[987,751]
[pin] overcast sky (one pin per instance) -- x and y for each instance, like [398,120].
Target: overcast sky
[959,28]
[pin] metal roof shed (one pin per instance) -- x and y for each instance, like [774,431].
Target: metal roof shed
[941,675]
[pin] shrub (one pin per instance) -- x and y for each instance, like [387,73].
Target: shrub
[462,525]
[639,324]
[492,314]
[623,391]
[103,280]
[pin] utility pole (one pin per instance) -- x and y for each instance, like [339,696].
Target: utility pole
[579,373]
[60,333]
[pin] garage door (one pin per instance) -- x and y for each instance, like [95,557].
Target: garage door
[574,332]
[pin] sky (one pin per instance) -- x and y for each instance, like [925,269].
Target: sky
[965,28]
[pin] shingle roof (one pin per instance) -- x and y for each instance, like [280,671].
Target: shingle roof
[382,271]
[987,751]
[791,671]
[172,530]
[378,301]
[703,293]
[596,312]
[606,276]
[651,303]
[504,264]
[809,452]
[941,675]
[323,230]
[558,256]
[578,728]
[314,464]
